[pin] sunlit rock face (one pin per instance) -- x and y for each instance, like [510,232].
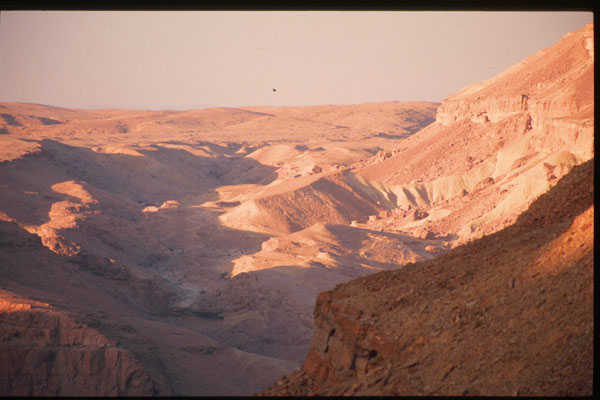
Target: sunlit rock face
[553,83]
[497,145]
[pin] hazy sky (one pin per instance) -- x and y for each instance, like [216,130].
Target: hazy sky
[178,60]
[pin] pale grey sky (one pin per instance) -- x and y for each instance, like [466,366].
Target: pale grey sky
[180,60]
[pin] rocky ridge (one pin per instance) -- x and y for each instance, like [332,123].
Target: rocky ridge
[497,145]
[508,314]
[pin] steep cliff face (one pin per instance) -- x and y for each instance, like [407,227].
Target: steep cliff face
[508,314]
[497,145]
[551,91]
[45,352]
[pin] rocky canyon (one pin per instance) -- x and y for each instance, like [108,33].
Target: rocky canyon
[391,248]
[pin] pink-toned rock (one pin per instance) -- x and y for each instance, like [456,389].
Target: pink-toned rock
[44,352]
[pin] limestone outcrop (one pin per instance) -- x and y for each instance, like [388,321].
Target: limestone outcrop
[521,131]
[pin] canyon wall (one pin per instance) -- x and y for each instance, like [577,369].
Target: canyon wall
[45,352]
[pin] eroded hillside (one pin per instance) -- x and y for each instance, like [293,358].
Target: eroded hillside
[194,243]
[115,220]
[508,314]
[497,145]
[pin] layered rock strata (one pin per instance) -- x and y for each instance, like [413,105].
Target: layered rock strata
[46,352]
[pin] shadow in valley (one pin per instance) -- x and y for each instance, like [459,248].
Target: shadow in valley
[157,176]
[114,246]
[116,281]
[268,297]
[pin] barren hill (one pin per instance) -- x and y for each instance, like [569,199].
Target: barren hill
[497,145]
[111,219]
[472,172]
[253,125]
[194,243]
[508,314]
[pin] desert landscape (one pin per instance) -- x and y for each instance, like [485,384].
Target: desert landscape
[388,248]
